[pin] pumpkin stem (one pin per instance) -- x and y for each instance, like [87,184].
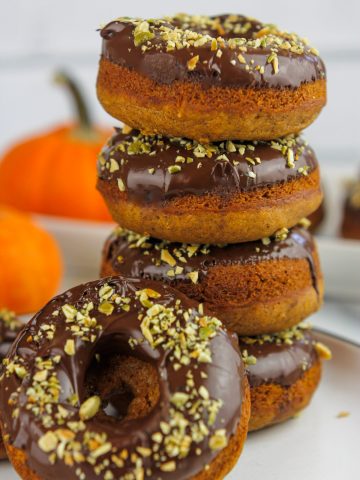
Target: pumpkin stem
[85,127]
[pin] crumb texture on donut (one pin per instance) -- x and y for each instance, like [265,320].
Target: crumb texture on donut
[128,386]
[273,403]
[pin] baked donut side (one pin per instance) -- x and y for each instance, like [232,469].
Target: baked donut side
[254,288]
[229,192]
[284,370]
[10,326]
[317,218]
[209,78]
[185,109]
[63,419]
[350,226]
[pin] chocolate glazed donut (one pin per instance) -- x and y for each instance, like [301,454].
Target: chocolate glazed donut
[227,192]
[58,420]
[10,326]
[284,370]
[256,287]
[209,78]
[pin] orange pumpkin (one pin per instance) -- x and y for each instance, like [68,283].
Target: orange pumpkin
[55,172]
[30,263]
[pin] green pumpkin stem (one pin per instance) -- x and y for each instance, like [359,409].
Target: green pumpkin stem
[85,126]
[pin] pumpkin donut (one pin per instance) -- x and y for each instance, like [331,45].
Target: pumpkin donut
[256,287]
[284,371]
[209,78]
[9,328]
[119,378]
[229,192]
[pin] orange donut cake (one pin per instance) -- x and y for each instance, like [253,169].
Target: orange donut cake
[228,192]
[209,78]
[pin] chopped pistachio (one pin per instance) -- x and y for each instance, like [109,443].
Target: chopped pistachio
[48,442]
[168,466]
[106,307]
[174,169]
[126,129]
[121,185]
[90,407]
[194,276]
[167,257]
[114,166]
[323,351]
[142,33]
[69,348]
[305,223]
[218,441]
[191,64]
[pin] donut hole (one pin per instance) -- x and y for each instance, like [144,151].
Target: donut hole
[128,386]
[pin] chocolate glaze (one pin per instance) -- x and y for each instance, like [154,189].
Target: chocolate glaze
[9,328]
[116,329]
[222,176]
[146,263]
[166,67]
[280,364]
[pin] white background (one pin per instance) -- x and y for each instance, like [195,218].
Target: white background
[37,36]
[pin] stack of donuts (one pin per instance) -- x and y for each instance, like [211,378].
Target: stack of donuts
[150,372]
[211,184]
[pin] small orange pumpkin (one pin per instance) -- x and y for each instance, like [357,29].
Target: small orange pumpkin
[55,173]
[30,263]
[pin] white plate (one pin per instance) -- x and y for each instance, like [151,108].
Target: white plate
[318,444]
